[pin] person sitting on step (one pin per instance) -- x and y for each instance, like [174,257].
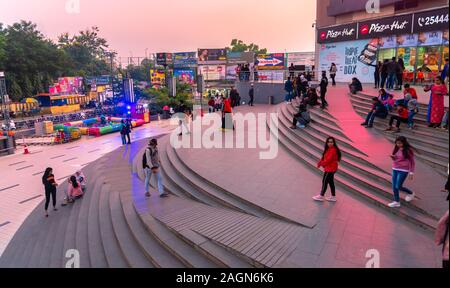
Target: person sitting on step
[302,118]
[378,110]
[312,98]
[389,103]
[402,117]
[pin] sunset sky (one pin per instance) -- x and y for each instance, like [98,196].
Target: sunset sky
[131,26]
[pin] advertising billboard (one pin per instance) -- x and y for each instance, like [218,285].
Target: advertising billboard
[339,33]
[401,24]
[232,72]
[430,38]
[353,59]
[185,75]
[407,40]
[271,76]
[273,61]
[212,56]
[185,60]
[234,58]
[164,59]
[300,58]
[98,80]
[157,78]
[431,20]
[212,72]
[69,85]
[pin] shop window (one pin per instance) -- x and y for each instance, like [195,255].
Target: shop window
[386,54]
[428,62]
[444,56]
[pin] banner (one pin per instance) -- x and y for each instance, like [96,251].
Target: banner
[99,80]
[430,38]
[157,78]
[164,59]
[185,75]
[351,58]
[300,58]
[385,26]
[388,42]
[337,33]
[234,58]
[445,37]
[212,72]
[407,40]
[212,56]
[185,60]
[270,61]
[272,76]
[69,85]
[431,20]
[232,72]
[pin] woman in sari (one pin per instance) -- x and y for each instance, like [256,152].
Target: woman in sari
[436,106]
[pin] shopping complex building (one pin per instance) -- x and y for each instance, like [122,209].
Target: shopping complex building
[357,34]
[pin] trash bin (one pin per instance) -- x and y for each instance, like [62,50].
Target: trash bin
[271,100]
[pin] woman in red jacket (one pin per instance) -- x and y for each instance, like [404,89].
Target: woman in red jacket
[330,163]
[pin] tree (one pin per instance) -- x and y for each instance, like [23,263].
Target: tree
[2,47]
[239,46]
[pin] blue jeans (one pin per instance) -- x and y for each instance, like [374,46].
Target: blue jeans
[398,178]
[390,81]
[371,117]
[148,177]
[288,96]
[124,139]
[411,118]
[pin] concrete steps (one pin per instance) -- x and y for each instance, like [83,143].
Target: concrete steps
[352,182]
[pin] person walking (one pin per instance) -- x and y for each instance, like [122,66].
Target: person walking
[323,90]
[251,94]
[129,127]
[330,162]
[436,106]
[333,71]
[288,87]
[151,164]
[403,164]
[123,131]
[442,238]
[48,179]
[227,118]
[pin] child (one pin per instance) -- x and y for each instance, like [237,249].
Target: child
[401,118]
[389,103]
[82,180]
[413,109]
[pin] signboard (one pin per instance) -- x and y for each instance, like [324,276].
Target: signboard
[407,40]
[157,78]
[445,37]
[270,61]
[431,20]
[185,75]
[346,32]
[300,58]
[69,85]
[430,38]
[232,72]
[351,58]
[385,26]
[388,42]
[212,72]
[164,59]
[99,80]
[272,76]
[234,58]
[212,56]
[185,60]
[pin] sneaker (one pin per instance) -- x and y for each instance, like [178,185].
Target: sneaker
[394,205]
[364,124]
[164,195]
[318,198]
[147,194]
[301,126]
[410,198]
[331,199]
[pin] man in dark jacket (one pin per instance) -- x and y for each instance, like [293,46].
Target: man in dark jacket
[251,94]
[289,88]
[378,110]
[323,90]
[355,86]
[392,72]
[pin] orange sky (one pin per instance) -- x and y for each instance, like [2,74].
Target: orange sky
[131,26]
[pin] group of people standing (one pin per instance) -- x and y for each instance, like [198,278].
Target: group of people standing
[125,131]
[389,74]
[300,88]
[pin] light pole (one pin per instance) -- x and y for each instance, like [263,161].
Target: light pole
[3,95]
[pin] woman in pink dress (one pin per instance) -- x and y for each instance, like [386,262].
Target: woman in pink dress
[436,106]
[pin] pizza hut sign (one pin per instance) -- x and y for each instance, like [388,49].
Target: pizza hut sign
[385,27]
[337,33]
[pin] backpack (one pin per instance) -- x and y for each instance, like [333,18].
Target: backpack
[124,129]
[144,160]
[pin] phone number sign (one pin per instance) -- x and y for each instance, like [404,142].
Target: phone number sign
[434,20]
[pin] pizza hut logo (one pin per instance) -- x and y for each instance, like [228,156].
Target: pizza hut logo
[380,28]
[364,29]
[323,35]
[333,34]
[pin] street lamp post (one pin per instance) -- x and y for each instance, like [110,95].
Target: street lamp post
[3,95]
